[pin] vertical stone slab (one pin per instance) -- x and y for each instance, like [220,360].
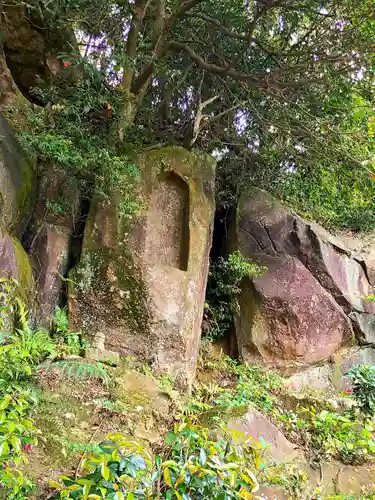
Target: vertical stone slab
[17,183]
[140,286]
[49,237]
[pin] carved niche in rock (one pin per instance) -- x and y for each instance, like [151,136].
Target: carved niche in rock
[167,234]
[139,288]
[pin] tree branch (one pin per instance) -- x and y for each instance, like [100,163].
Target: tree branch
[262,82]
[131,43]
[211,68]
[183,8]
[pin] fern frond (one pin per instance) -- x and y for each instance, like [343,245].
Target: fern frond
[78,370]
[60,320]
[35,344]
[22,314]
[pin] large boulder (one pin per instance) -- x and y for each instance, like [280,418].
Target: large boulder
[17,177]
[269,227]
[14,265]
[298,311]
[255,426]
[17,183]
[139,287]
[286,316]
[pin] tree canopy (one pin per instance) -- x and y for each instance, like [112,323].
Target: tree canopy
[279,90]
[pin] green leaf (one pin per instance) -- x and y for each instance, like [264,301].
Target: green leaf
[105,472]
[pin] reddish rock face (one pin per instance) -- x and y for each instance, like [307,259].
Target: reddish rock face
[256,426]
[287,316]
[52,248]
[297,311]
[267,227]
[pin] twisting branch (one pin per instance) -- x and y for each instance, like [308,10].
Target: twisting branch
[131,45]
[183,8]
[210,67]
[199,117]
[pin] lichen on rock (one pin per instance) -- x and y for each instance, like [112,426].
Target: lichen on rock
[139,286]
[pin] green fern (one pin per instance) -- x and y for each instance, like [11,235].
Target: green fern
[22,314]
[33,345]
[60,320]
[78,370]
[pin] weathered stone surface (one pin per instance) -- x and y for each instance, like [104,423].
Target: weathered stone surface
[271,228]
[286,315]
[51,259]
[271,493]
[362,247]
[317,378]
[17,183]
[364,324]
[256,426]
[14,263]
[140,287]
[312,281]
[332,378]
[334,478]
[8,89]
[348,358]
[49,237]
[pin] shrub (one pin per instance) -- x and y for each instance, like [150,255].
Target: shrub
[223,289]
[17,435]
[24,348]
[67,342]
[339,436]
[363,377]
[191,466]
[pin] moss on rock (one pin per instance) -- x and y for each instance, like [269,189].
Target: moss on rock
[17,178]
[25,274]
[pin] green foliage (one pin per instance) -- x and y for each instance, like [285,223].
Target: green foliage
[78,370]
[67,342]
[23,349]
[223,290]
[325,433]
[363,377]
[335,435]
[8,291]
[254,386]
[60,321]
[77,136]
[192,466]
[17,433]
[339,191]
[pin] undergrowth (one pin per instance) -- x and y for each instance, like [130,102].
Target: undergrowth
[223,290]
[198,459]
[322,431]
